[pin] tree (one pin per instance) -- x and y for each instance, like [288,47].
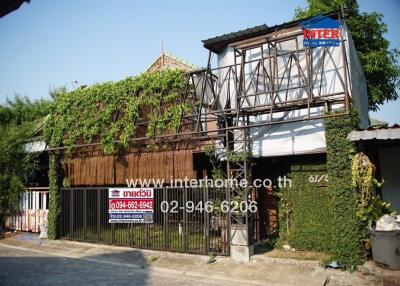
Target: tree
[12,167]
[18,120]
[11,189]
[21,109]
[381,64]
[55,93]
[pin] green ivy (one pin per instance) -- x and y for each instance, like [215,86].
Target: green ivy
[347,230]
[54,193]
[110,111]
[304,215]
[325,219]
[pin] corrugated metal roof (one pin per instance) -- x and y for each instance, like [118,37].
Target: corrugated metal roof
[216,44]
[384,132]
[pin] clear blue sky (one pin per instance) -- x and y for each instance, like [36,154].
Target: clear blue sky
[48,43]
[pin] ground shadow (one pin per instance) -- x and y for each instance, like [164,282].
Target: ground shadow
[18,267]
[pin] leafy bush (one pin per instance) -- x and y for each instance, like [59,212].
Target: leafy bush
[11,189]
[375,210]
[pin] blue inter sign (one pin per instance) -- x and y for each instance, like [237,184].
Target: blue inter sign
[321,31]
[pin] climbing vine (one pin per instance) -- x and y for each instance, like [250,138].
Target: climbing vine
[112,111]
[347,232]
[326,218]
[363,179]
[54,193]
[218,168]
[304,214]
[370,206]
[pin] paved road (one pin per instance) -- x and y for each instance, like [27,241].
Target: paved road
[24,267]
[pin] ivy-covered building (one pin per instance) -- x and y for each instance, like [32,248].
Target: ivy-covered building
[269,104]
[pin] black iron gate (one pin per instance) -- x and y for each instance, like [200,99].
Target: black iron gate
[84,217]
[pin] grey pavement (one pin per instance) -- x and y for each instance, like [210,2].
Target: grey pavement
[27,260]
[24,267]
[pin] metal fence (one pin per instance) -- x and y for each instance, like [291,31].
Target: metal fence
[84,217]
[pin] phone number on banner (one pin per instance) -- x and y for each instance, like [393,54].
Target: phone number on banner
[130,204]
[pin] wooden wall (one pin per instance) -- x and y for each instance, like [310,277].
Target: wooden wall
[103,170]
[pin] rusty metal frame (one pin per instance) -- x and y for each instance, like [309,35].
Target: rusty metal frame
[272,85]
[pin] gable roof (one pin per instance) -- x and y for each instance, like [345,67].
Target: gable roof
[168,61]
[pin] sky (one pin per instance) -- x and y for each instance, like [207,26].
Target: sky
[51,43]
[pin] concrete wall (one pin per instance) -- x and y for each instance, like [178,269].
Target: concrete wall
[389,158]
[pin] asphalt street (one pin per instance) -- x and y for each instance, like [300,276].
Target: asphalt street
[25,267]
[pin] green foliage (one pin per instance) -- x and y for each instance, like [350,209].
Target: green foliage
[17,123]
[54,193]
[218,168]
[370,207]
[363,172]
[22,110]
[236,157]
[18,120]
[11,189]
[380,63]
[110,111]
[324,219]
[304,213]
[13,160]
[347,231]
[107,113]
[375,210]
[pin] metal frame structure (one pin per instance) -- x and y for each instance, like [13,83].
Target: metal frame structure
[233,119]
